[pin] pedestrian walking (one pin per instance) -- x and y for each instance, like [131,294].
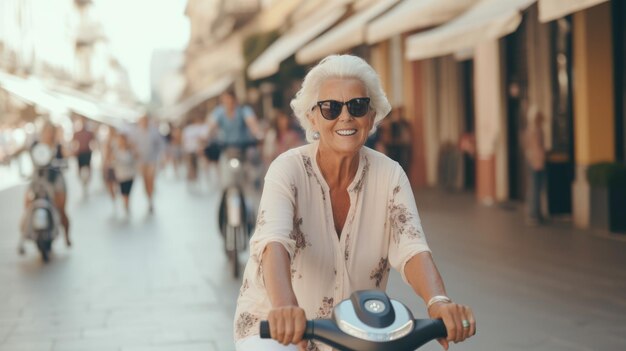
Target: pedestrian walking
[175,148]
[149,144]
[193,138]
[125,165]
[82,145]
[334,217]
[108,171]
[534,146]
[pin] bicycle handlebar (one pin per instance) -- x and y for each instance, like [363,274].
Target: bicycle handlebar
[237,144]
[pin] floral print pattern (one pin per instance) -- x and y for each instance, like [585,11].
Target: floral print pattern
[294,272]
[244,287]
[327,306]
[359,184]
[260,221]
[296,233]
[245,325]
[380,272]
[308,167]
[402,220]
[312,346]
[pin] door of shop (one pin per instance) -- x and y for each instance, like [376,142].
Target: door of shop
[516,94]
[560,161]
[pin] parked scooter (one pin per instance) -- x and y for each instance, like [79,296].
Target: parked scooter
[236,215]
[370,321]
[42,221]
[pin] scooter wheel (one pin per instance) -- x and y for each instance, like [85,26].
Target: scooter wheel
[44,247]
[234,261]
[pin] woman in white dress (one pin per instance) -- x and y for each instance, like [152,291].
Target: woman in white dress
[334,217]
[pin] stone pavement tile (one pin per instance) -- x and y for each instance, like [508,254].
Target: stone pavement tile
[44,335]
[123,331]
[5,331]
[176,347]
[30,345]
[104,342]
[225,345]
[70,320]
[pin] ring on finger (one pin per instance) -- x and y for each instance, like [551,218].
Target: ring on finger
[465,323]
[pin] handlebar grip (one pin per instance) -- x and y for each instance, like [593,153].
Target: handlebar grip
[264,330]
[439,328]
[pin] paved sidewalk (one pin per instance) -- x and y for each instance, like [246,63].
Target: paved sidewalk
[548,288]
[149,283]
[160,283]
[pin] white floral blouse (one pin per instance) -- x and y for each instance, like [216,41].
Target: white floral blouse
[382,228]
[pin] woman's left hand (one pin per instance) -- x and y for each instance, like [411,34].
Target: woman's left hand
[459,320]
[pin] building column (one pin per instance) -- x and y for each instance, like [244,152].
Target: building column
[380,63]
[415,109]
[594,118]
[491,177]
[430,113]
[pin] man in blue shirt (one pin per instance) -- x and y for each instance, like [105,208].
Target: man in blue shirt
[235,123]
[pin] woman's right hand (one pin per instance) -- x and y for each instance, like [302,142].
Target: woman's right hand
[287,325]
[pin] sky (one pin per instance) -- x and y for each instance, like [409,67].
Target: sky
[135,28]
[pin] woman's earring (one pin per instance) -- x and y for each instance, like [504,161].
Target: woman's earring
[316,135]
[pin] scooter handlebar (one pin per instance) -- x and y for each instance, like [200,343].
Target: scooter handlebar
[265,330]
[325,330]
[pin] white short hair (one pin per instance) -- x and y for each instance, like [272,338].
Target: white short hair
[339,66]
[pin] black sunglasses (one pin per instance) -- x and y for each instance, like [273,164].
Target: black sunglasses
[331,109]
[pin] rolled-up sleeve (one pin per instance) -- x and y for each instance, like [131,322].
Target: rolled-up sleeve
[407,236]
[276,212]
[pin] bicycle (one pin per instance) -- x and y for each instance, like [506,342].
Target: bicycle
[236,215]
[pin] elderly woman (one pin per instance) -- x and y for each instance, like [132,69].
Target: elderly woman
[333,218]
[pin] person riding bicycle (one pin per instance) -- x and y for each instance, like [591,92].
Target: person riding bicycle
[49,136]
[236,126]
[334,218]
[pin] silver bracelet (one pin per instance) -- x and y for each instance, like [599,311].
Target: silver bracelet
[438,298]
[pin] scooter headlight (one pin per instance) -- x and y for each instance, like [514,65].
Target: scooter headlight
[41,155]
[347,320]
[234,163]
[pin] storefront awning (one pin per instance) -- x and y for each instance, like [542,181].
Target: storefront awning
[62,100]
[344,36]
[274,16]
[94,108]
[269,61]
[31,92]
[552,9]
[214,89]
[412,15]
[212,63]
[489,19]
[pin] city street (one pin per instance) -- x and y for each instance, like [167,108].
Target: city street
[151,283]
[160,282]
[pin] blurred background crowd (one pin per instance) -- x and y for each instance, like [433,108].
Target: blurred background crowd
[466,79]
[515,104]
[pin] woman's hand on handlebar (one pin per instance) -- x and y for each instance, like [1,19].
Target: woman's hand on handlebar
[287,325]
[453,316]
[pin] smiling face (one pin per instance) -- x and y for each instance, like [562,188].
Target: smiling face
[346,134]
